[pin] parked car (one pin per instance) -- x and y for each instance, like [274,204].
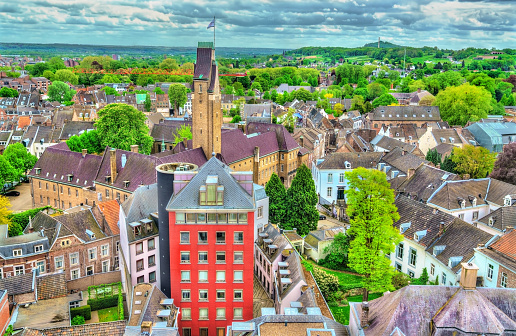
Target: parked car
[322,217]
[12,193]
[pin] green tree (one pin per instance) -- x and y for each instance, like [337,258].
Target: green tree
[147,103]
[256,86]
[375,90]
[478,162]
[8,92]
[169,64]
[302,200]
[121,125]
[56,63]
[385,100]
[110,91]
[182,132]
[7,172]
[88,140]
[66,76]
[302,94]
[372,213]
[277,194]
[5,210]
[448,164]
[60,92]
[464,103]
[423,279]
[21,160]
[48,75]
[337,252]
[158,90]
[177,95]
[236,119]
[433,156]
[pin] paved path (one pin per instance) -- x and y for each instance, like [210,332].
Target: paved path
[22,202]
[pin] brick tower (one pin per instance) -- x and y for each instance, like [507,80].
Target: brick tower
[206,108]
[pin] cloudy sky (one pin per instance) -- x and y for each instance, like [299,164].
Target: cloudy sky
[262,23]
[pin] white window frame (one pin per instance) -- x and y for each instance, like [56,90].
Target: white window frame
[205,316]
[260,212]
[490,271]
[186,314]
[16,269]
[72,255]
[329,191]
[38,248]
[330,177]
[17,252]
[57,260]
[104,250]
[239,316]
[241,291]
[38,265]
[186,291]
[94,249]
[205,278]
[235,276]
[78,270]
[503,280]
[221,313]
[220,279]
[186,276]
[105,262]
[341,178]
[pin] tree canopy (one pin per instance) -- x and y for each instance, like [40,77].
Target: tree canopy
[182,132]
[89,140]
[21,160]
[372,213]
[177,95]
[384,100]
[477,162]
[121,125]
[277,194]
[460,104]
[301,211]
[60,92]
[505,165]
[66,76]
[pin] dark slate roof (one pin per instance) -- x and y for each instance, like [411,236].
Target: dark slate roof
[338,160]
[285,140]
[390,143]
[451,193]
[141,203]
[444,148]
[459,239]
[19,284]
[74,128]
[266,141]
[424,182]
[498,190]
[421,217]
[116,328]
[296,273]
[412,113]
[402,160]
[56,164]
[235,197]
[502,218]
[277,239]
[80,221]
[166,131]
[235,146]
[203,63]
[26,243]
[195,156]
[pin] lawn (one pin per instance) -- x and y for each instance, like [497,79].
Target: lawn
[348,281]
[109,314]
[341,314]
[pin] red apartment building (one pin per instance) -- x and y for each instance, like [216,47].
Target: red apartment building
[211,233]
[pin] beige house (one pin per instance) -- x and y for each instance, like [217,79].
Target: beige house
[316,241]
[434,137]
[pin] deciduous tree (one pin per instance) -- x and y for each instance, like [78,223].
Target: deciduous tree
[121,125]
[66,76]
[277,194]
[433,156]
[147,103]
[384,100]
[60,92]
[182,132]
[372,213]
[302,200]
[169,64]
[177,95]
[21,160]
[505,165]
[464,103]
[478,162]
[337,252]
[89,140]
[7,172]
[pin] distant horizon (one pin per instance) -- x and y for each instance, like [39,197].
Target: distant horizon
[285,24]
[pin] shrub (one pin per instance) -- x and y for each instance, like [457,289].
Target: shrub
[101,303]
[78,320]
[328,283]
[400,280]
[308,266]
[84,311]
[120,302]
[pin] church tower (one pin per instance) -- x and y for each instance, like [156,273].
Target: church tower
[206,107]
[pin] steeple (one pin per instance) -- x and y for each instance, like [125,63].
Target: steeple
[206,107]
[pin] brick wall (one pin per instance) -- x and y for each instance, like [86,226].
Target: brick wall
[59,195]
[25,298]
[511,277]
[93,280]
[4,313]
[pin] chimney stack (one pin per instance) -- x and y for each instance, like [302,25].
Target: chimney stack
[364,319]
[185,142]
[418,90]
[134,148]
[468,276]
[256,164]
[112,160]
[301,139]
[411,172]
[146,327]
[31,228]
[84,152]
[441,229]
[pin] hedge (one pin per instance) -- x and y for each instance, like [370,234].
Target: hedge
[84,311]
[101,303]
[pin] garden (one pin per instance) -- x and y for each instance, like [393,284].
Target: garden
[105,301]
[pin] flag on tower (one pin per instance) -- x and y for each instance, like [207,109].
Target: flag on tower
[212,24]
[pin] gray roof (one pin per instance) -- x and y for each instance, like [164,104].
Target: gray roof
[19,284]
[340,330]
[235,197]
[259,192]
[141,203]
[26,243]
[339,160]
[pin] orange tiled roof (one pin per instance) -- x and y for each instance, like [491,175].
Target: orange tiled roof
[111,210]
[24,121]
[506,244]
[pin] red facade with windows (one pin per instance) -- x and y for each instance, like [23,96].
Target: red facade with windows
[179,288]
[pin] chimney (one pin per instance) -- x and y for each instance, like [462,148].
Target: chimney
[112,160]
[134,148]
[185,142]
[364,319]
[84,152]
[441,229]
[146,327]
[411,172]
[301,139]
[256,164]
[403,152]
[418,90]
[465,176]
[468,276]
[42,232]
[31,229]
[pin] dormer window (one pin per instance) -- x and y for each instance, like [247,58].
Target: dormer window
[347,165]
[443,140]
[211,193]
[474,202]
[491,221]
[38,171]
[137,228]
[17,252]
[462,204]
[126,184]
[69,177]
[507,200]
[108,179]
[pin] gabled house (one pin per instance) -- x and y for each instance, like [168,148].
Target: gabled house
[434,137]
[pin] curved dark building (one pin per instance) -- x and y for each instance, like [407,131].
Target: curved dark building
[165,179]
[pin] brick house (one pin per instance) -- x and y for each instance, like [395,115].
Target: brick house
[5,317]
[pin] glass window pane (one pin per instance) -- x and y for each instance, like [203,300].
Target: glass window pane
[242,218]
[212,218]
[232,218]
[222,218]
[190,218]
[180,217]
[201,218]
[211,194]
